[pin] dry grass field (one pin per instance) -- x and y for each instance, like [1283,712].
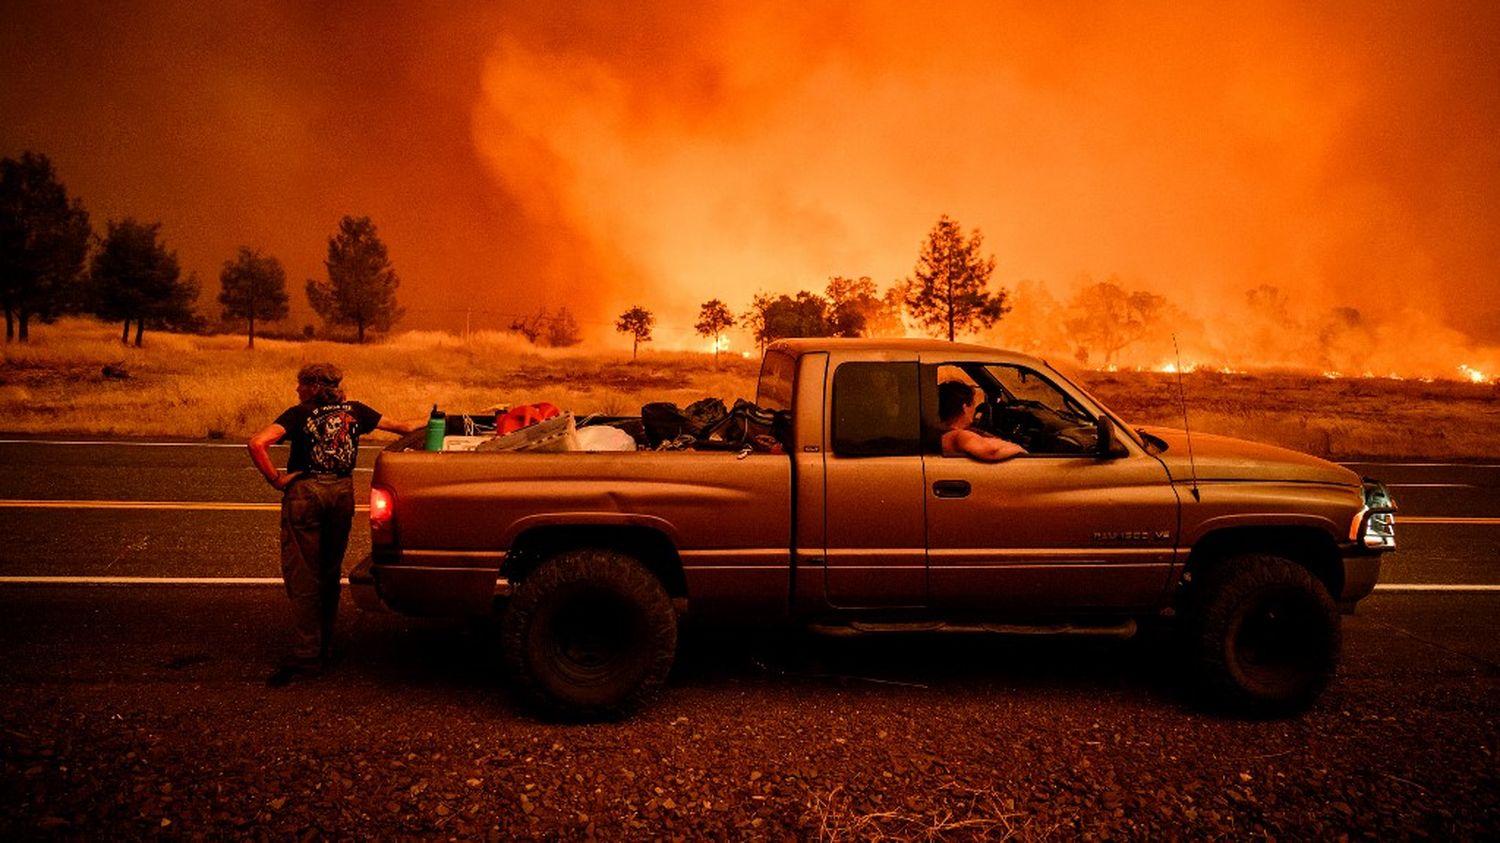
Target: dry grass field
[193,387]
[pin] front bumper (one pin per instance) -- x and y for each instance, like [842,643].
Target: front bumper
[1372,533]
[1361,572]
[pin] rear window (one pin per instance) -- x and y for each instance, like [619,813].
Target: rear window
[775,389]
[876,410]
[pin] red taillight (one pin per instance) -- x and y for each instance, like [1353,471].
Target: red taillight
[382,508]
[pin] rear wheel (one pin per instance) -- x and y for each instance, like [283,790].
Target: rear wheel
[1264,635]
[589,635]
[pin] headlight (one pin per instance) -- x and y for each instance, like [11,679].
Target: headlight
[1374,525]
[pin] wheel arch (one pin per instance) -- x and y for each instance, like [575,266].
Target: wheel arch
[652,548]
[1310,547]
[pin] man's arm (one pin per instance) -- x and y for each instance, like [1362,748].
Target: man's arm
[260,454]
[985,448]
[399,427]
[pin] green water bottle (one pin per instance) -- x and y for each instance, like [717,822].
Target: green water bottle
[437,427]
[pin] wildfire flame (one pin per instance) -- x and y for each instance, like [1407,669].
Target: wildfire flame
[1473,375]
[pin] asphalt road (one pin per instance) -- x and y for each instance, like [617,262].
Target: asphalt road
[96,510]
[137,710]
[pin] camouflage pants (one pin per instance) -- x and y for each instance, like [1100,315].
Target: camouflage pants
[316,515]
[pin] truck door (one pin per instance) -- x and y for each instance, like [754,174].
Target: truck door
[1058,528]
[875,497]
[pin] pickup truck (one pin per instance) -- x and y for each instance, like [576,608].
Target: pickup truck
[858,524]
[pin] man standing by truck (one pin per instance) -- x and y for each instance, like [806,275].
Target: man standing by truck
[317,505]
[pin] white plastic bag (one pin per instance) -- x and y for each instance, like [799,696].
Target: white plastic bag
[602,437]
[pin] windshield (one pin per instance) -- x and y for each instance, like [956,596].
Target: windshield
[1120,423]
[1027,385]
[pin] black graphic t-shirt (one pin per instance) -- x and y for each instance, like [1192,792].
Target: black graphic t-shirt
[326,439]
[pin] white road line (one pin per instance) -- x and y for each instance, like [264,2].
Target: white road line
[1460,587]
[1427,464]
[202,506]
[1457,588]
[236,581]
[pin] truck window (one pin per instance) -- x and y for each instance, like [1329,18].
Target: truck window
[876,410]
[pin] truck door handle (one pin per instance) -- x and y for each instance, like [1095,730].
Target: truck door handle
[951,488]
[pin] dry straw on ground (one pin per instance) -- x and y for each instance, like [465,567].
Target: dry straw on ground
[201,387]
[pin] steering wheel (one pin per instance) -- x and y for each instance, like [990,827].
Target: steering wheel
[984,415]
[1008,420]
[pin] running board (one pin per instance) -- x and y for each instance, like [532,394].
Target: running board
[1124,629]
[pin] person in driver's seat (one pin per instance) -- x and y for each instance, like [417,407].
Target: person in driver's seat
[956,404]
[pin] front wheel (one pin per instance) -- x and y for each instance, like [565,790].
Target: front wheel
[1264,635]
[589,635]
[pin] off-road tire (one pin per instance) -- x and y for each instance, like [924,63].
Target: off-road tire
[1263,635]
[589,635]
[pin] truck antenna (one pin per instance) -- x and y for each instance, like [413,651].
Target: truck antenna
[1187,431]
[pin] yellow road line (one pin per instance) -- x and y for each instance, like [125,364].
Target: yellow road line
[211,506]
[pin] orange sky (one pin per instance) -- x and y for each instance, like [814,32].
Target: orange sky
[598,157]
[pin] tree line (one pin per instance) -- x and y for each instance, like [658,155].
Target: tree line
[947,294]
[52,263]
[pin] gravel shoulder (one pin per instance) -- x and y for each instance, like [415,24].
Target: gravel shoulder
[140,711]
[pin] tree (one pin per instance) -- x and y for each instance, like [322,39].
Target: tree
[361,286]
[947,290]
[558,330]
[1035,321]
[562,330]
[1107,318]
[754,319]
[713,318]
[803,316]
[637,322]
[135,279]
[253,286]
[44,243]
[531,326]
[854,309]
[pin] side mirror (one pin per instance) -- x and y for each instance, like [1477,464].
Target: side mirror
[1106,445]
